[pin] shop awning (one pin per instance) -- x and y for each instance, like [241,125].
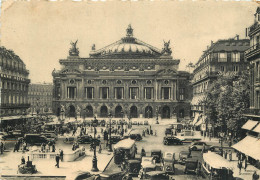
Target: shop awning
[196,118]
[199,122]
[249,125]
[216,161]
[257,128]
[10,118]
[250,146]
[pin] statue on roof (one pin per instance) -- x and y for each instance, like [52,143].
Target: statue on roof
[74,51]
[129,31]
[93,47]
[166,49]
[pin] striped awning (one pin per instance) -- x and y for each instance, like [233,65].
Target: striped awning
[196,118]
[249,125]
[257,128]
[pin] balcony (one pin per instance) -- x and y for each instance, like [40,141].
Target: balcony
[252,51]
[10,105]
[253,28]
[252,112]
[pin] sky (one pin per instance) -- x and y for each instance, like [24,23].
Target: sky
[40,32]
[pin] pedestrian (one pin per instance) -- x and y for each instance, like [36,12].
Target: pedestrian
[42,147]
[239,166]
[47,148]
[2,147]
[100,148]
[230,155]
[53,148]
[15,146]
[143,133]
[61,154]
[22,160]
[143,153]
[255,176]
[225,154]
[245,164]
[57,158]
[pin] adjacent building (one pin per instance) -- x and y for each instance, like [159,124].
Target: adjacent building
[128,78]
[221,57]
[14,84]
[40,98]
[250,145]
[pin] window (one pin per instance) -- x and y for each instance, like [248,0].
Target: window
[71,92]
[181,93]
[89,91]
[104,91]
[222,68]
[148,92]
[119,92]
[235,68]
[166,92]
[235,57]
[222,57]
[134,92]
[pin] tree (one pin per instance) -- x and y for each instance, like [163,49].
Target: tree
[226,100]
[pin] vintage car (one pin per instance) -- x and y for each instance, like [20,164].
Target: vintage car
[147,160]
[170,140]
[111,175]
[168,162]
[79,175]
[183,156]
[147,165]
[103,123]
[157,154]
[155,175]
[50,136]
[191,164]
[86,139]
[133,167]
[135,135]
[115,139]
[70,139]
[199,146]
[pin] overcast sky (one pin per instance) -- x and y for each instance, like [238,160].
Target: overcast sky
[40,32]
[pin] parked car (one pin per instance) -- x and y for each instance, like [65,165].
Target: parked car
[35,139]
[191,165]
[70,139]
[133,167]
[199,146]
[157,154]
[80,175]
[9,137]
[146,123]
[50,136]
[170,140]
[147,160]
[155,175]
[2,134]
[115,139]
[17,133]
[168,162]
[86,139]
[183,156]
[135,135]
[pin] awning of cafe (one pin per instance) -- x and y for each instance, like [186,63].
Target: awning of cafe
[250,146]
[257,128]
[196,118]
[249,125]
[216,161]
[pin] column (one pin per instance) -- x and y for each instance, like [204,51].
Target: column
[107,92]
[144,93]
[92,92]
[122,91]
[130,93]
[162,93]
[115,92]
[172,90]
[156,90]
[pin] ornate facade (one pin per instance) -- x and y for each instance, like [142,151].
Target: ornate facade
[14,84]
[127,78]
[40,98]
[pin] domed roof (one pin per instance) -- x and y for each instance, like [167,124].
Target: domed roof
[127,47]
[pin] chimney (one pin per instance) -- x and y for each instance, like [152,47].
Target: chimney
[211,42]
[237,37]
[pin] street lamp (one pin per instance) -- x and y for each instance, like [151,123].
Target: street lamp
[109,144]
[157,114]
[94,161]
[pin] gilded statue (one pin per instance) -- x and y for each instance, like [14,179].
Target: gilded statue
[74,51]
[167,50]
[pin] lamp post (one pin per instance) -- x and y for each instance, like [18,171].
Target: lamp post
[109,144]
[94,161]
[157,114]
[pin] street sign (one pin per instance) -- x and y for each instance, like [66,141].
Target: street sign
[203,127]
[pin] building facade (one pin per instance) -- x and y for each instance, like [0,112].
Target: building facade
[221,57]
[40,98]
[13,87]
[128,78]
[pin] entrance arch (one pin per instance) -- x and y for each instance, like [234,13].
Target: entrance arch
[166,112]
[72,112]
[118,112]
[133,112]
[89,111]
[148,112]
[103,111]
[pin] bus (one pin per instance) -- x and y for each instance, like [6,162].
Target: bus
[123,150]
[215,167]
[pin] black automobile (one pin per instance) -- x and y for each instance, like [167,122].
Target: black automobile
[103,123]
[170,140]
[155,175]
[183,156]
[136,136]
[115,139]
[35,139]
[191,165]
[157,154]
[111,175]
[85,139]
[83,175]
[168,131]
[133,167]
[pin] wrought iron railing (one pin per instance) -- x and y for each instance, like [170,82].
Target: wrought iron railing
[252,111]
[253,48]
